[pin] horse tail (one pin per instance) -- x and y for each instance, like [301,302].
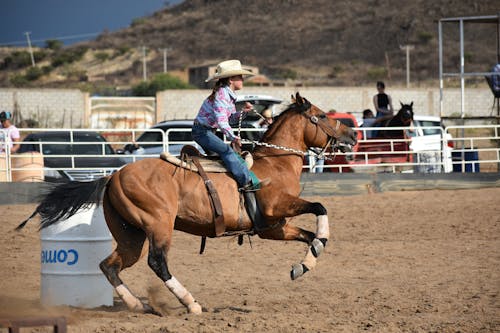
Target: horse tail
[64,201]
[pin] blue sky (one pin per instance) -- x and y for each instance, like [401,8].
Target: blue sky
[62,19]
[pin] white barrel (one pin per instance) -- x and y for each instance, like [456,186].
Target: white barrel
[71,252]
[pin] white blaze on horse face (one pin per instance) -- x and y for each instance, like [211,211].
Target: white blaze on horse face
[183,295]
[323,229]
[132,302]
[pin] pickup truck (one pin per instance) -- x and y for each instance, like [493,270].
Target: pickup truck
[423,149]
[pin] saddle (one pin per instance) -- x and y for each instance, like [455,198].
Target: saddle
[193,160]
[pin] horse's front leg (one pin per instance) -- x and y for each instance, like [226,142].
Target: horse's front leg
[317,241]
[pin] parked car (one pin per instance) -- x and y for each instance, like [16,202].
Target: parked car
[431,151]
[78,155]
[172,135]
[427,136]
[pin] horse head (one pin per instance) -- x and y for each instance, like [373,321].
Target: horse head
[405,114]
[308,126]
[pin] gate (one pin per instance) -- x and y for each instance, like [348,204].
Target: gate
[122,112]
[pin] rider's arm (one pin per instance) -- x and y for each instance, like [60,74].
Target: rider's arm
[223,107]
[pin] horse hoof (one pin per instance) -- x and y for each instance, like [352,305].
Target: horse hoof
[317,247]
[195,308]
[149,310]
[297,271]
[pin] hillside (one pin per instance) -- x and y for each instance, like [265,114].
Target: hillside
[313,42]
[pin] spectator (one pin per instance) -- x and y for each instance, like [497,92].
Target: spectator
[383,102]
[10,130]
[369,120]
[495,79]
[383,106]
[267,120]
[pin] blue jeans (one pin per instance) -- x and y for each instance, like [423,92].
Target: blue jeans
[207,139]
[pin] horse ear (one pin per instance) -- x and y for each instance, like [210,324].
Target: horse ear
[401,103]
[293,99]
[411,104]
[298,99]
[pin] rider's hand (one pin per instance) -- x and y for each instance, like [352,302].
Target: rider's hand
[236,142]
[248,107]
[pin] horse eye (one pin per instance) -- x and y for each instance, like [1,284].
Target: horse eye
[322,116]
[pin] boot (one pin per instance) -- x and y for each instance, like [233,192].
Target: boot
[251,186]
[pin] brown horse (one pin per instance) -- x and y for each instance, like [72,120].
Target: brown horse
[148,199]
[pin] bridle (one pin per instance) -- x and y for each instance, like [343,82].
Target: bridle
[321,122]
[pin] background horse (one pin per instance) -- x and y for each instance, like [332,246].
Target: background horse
[403,118]
[145,201]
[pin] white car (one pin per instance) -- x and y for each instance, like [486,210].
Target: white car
[432,146]
[172,135]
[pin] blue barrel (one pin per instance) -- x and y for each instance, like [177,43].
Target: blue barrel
[467,163]
[71,251]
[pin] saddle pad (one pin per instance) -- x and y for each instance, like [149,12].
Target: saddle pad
[208,165]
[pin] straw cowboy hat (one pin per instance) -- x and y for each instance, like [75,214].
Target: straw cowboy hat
[228,68]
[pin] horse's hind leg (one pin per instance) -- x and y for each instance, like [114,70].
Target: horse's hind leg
[129,249]
[159,244]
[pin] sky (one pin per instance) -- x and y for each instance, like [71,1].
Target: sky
[69,21]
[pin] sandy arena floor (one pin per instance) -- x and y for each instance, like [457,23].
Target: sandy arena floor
[424,261]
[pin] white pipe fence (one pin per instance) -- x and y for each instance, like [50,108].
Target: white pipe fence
[84,154]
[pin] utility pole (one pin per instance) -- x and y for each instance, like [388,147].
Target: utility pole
[407,48]
[164,59]
[165,50]
[144,73]
[27,33]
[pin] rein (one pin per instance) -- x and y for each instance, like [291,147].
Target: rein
[327,129]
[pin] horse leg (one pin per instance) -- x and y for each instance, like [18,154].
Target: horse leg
[159,244]
[317,242]
[130,242]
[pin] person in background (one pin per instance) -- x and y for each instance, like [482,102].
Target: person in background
[383,106]
[10,130]
[369,120]
[267,120]
[216,112]
[495,79]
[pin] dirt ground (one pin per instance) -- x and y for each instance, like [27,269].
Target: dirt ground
[426,261]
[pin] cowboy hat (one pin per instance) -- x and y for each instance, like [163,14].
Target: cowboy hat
[228,68]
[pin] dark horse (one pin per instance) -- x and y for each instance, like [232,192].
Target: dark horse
[403,118]
[148,199]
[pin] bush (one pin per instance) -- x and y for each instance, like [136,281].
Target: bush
[33,73]
[68,56]
[424,37]
[101,56]
[17,59]
[18,80]
[53,44]
[376,73]
[160,82]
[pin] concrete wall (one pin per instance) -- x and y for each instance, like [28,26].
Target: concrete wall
[182,104]
[69,108]
[49,107]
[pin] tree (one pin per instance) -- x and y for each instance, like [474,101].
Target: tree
[160,82]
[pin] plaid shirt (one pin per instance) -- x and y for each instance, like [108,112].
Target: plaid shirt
[219,112]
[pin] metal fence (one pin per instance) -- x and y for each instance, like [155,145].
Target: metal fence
[87,154]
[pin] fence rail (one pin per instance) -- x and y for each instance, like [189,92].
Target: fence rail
[86,154]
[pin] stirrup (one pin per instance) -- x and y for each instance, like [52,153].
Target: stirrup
[251,187]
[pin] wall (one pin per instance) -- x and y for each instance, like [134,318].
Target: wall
[182,104]
[69,108]
[50,107]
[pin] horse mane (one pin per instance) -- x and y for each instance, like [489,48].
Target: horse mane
[291,108]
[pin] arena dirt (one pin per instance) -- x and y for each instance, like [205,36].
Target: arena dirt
[426,261]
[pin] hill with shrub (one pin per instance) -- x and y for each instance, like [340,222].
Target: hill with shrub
[319,42]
